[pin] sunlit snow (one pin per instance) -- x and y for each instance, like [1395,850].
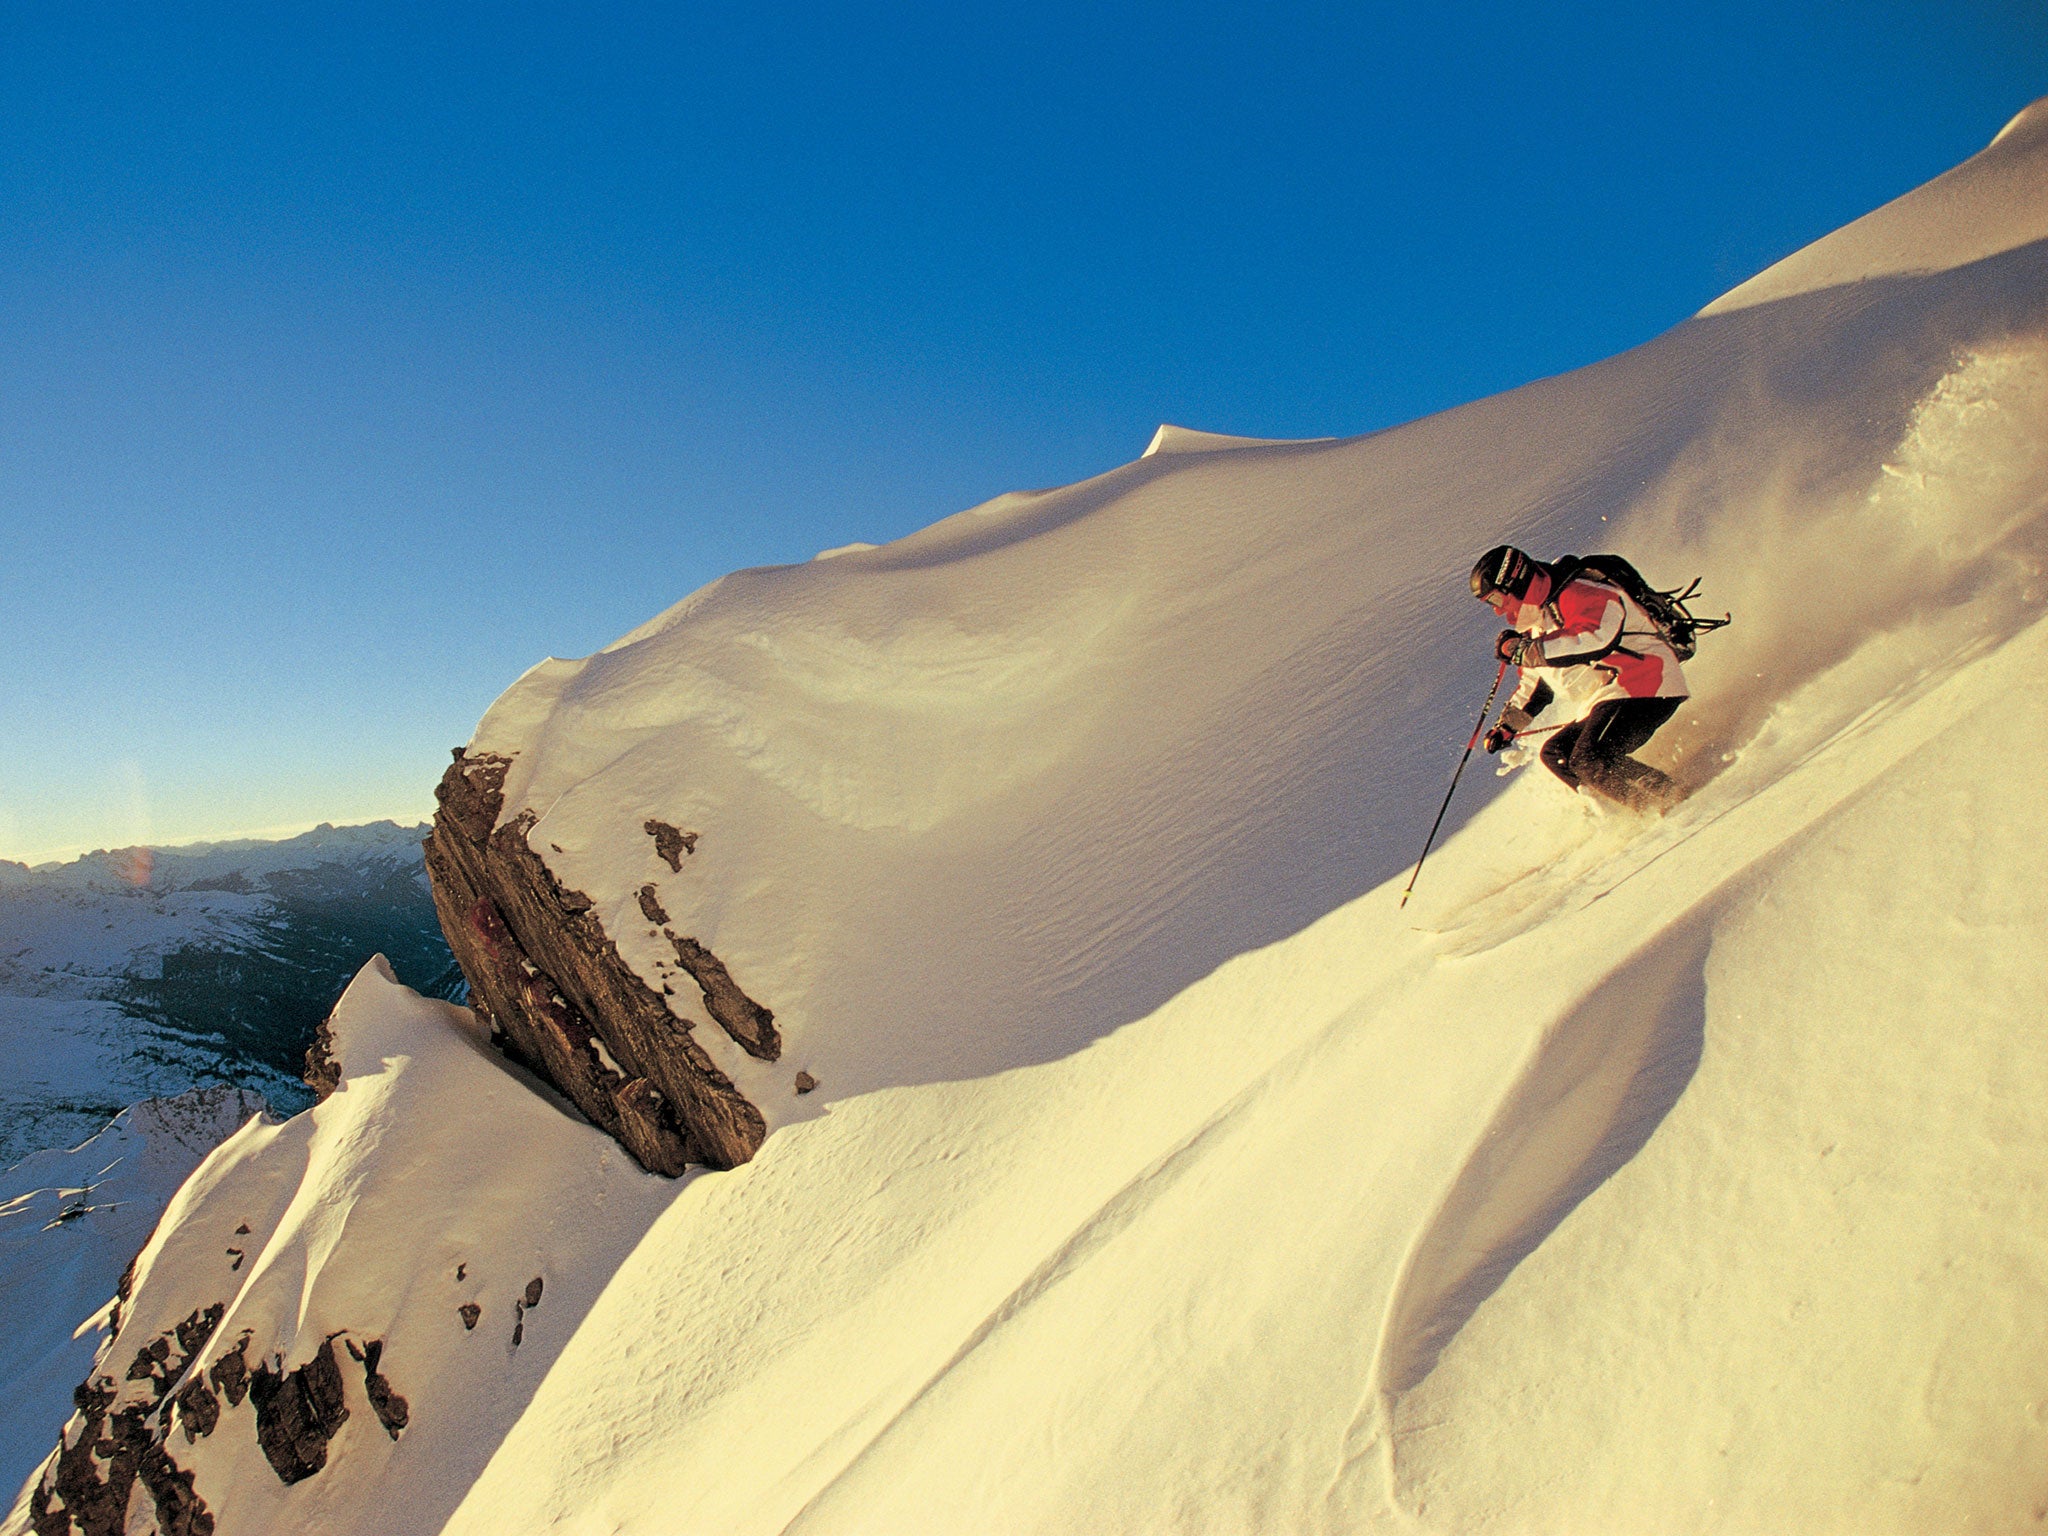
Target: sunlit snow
[1164,1174]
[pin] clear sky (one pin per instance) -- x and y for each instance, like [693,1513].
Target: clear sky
[352,358]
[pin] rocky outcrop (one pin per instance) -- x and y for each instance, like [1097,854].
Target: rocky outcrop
[560,999]
[298,1412]
[230,1374]
[323,1072]
[671,844]
[111,1444]
[89,1489]
[392,1411]
[121,1434]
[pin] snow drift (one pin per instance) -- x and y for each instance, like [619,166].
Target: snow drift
[1160,1173]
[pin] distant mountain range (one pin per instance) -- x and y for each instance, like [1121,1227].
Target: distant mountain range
[138,972]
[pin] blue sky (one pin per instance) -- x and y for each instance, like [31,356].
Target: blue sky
[354,358]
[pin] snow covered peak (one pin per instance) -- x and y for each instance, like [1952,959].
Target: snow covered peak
[338,1317]
[1172,439]
[977,797]
[188,865]
[1064,840]
[1996,201]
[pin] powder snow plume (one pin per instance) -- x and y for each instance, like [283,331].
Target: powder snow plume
[1938,545]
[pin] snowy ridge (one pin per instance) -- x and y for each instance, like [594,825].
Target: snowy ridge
[1989,204]
[1172,439]
[1094,741]
[1173,1228]
[1165,1174]
[436,1178]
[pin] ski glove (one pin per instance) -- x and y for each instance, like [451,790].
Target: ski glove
[1511,724]
[1518,649]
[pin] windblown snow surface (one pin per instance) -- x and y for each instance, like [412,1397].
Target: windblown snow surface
[1165,1174]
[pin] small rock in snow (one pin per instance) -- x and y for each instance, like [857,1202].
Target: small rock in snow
[670,843]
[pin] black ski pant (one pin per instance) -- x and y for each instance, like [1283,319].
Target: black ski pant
[1595,751]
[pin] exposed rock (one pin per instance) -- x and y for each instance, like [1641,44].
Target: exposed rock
[749,1024]
[161,1365]
[75,1496]
[195,1330]
[121,1441]
[805,1082]
[148,1364]
[88,1490]
[392,1410]
[550,982]
[671,844]
[179,1509]
[323,1072]
[650,906]
[644,1127]
[521,1307]
[298,1413]
[198,1409]
[230,1373]
[469,1312]
[118,1437]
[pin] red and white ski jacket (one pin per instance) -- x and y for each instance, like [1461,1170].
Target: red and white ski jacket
[1595,645]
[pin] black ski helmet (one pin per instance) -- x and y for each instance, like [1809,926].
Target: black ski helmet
[1503,568]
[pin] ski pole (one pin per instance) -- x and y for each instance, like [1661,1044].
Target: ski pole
[1484,710]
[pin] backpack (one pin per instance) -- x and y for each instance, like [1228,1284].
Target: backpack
[1675,624]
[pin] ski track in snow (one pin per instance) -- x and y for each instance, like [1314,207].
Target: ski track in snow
[1720,847]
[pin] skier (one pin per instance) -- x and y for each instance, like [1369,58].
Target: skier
[1587,643]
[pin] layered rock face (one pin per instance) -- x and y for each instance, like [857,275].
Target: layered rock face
[560,1000]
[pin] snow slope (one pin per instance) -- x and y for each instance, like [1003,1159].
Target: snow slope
[1106,1294]
[1165,1175]
[974,798]
[1988,205]
[438,1176]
